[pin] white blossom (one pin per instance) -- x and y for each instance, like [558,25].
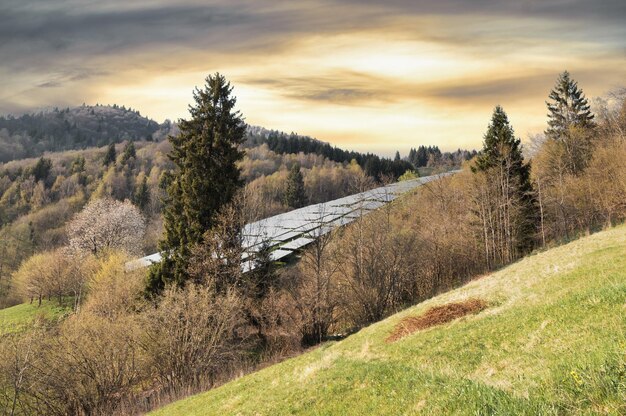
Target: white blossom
[107,224]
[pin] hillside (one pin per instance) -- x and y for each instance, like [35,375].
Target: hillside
[552,340]
[30,135]
[20,316]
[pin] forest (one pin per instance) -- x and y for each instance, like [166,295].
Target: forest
[39,195]
[127,342]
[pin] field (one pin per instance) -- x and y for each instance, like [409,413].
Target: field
[551,340]
[17,317]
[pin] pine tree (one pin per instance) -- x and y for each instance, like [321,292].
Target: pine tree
[570,124]
[129,152]
[141,196]
[110,155]
[205,153]
[295,196]
[413,157]
[500,143]
[568,108]
[508,207]
[42,169]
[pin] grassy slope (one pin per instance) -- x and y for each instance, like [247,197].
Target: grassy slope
[553,342]
[15,318]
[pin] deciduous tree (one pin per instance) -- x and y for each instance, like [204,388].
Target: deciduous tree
[107,224]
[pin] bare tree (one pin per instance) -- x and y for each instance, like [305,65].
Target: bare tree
[17,357]
[375,269]
[107,224]
[316,296]
[191,336]
[216,261]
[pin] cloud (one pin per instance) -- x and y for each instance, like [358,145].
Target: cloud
[614,10]
[312,58]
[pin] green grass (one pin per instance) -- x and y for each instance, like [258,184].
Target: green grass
[17,318]
[553,341]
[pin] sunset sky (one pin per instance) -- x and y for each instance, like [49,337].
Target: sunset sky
[364,75]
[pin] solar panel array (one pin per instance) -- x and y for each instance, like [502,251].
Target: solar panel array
[286,233]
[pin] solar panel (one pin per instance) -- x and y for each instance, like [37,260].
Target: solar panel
[296,244]
[297,228]
[280,254]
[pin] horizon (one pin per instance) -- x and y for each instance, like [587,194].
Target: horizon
[359,75]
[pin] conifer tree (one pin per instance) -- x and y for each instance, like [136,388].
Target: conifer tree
[295,196]
[129,152]
[500,143]
[110,155]
[141,196]
[42,169]
[570,124]
[568,107]
[205,153]
[507,199]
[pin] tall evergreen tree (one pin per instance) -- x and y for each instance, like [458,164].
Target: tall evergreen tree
[499,144]
[295,196]
[570,124]
[568,107]
[508,207]
[110,155]
[205,153]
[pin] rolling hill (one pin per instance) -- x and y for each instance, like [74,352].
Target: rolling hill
[549,338]
[30,135]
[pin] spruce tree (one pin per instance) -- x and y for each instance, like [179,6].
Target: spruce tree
[295,196]
[499,143]
[110,155]
[129,152]
[42,169]
[570,124]
[567,108]
[205,153]
[141,196]
[502,162]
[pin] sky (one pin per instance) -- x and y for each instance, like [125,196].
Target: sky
[363,75]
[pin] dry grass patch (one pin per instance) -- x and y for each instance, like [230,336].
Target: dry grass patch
[436,315]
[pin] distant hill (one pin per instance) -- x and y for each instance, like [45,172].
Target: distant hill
[75,128]
[422,157]
[30,135]
[549,340]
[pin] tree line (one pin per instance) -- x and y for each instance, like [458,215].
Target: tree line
[31,135]
[373,165]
